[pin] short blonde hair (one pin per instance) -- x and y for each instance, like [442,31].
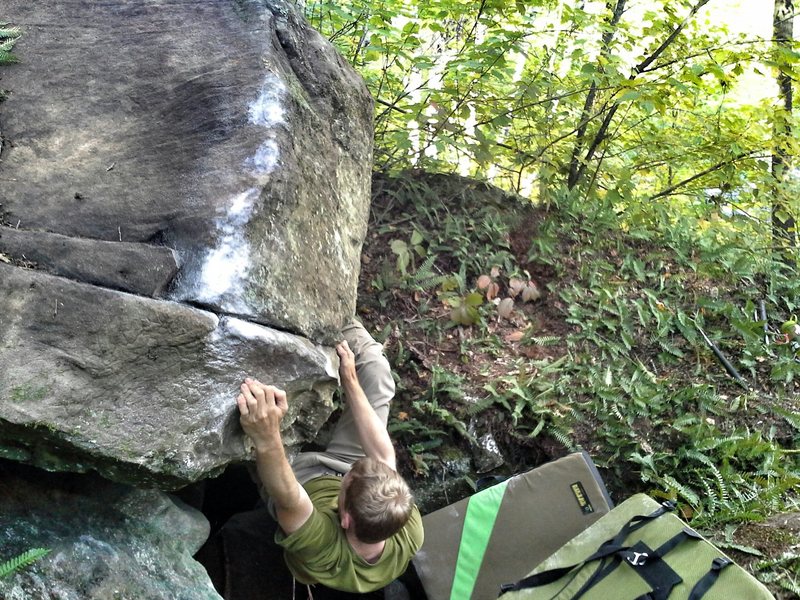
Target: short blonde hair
[378,500]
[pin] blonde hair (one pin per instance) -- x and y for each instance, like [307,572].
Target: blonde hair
[378,500]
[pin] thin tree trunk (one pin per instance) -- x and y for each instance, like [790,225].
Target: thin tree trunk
[605,49]
[783,223]
[642,67]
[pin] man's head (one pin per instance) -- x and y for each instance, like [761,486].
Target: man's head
[375,501]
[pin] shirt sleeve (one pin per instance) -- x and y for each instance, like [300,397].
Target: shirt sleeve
[415,530]
[317,533]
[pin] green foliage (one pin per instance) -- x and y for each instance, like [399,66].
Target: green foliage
[665,417]
[8,37]
[655,173]
[783,572]
[547,98]
[23,560]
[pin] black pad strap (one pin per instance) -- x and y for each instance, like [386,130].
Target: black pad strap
[609,548]
[710,578]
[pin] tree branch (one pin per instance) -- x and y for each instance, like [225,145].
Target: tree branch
[607,38]
[600,136]
[703,173]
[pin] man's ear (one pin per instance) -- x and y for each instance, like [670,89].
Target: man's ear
[346,520]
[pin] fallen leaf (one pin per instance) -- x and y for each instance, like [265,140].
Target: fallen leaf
[531,293]
[514,336]
[495,272]
[515,286]
[492,291]
[484,281]
[402,416]
[505,308]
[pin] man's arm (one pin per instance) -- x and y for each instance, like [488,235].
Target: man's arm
[261,408]
[371,430]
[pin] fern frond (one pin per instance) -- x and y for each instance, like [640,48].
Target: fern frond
[711,497]
[21,561]
[425,270]
[543,340]
[681,490]
[561,436]
[791,418]
[425,277]
[480,406]
[9,32]
[6,58]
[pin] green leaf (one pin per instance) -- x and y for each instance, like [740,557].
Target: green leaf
[22,561]
[630,95]
[474,299]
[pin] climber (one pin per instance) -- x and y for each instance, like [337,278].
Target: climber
[347,518]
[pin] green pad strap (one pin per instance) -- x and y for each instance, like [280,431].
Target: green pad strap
[482,510]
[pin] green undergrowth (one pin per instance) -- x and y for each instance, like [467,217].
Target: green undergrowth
[8,37]
[21,561]
[614,358]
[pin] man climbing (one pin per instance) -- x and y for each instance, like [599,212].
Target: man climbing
[347,519]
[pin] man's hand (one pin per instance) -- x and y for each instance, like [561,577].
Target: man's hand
[371,430]
[261,408]
[347,363]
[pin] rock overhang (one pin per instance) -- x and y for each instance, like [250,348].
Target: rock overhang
[193,208]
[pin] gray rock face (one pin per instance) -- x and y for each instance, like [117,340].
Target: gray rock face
[184,190]
[136,268]
[140,390]
[105,540]
[228,130]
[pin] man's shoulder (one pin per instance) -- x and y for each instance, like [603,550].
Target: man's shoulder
[325,484]
[414,529]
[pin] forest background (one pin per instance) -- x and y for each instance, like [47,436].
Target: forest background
[634,293]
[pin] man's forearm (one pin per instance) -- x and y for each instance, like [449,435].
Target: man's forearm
[276,474]
[261,408]
[372,431]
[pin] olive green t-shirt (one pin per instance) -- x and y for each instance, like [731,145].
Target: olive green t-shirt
[318,552]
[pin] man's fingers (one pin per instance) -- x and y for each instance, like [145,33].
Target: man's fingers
[242,404]
[258,392]
[280,399]
[256,399]
[248,395]
[343,350]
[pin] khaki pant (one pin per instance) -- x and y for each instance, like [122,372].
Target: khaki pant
[344,448]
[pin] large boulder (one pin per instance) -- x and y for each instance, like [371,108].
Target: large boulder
[106,540]
[138,389]
[228,130]
[184,191]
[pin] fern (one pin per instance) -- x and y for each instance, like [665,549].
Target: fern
[681,490]
[424,277]
[480,406]
[9,32]
[710,496]
[790,417]
[6,58]
[543,340]
[21,561]
[562,437]
[8,37]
